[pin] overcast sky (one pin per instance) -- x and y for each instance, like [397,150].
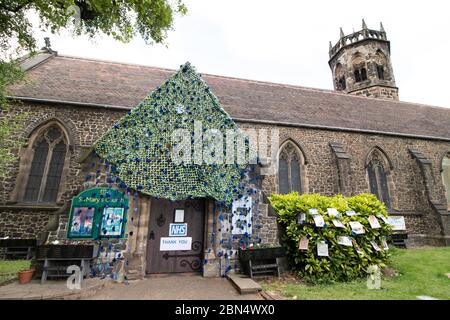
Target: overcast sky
[286,41]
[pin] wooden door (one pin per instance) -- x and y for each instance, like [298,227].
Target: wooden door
[162,214]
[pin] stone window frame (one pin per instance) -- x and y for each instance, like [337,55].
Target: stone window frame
[441,164]
[299,150]
[359,66]
[382,60]
[388,170]
[340,79]
[26,155]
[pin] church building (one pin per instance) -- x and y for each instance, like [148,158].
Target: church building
[87,124]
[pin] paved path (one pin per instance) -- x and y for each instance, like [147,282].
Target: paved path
[174,287]
[165,287]
[50,290]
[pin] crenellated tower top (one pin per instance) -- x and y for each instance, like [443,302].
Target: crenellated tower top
[361,64]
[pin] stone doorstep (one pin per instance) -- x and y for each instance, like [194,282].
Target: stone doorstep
[268,295]
[244,284]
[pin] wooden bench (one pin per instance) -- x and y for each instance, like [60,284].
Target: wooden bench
[261,260]
[57,258]
[13,249]
[399,240]
[57,267]
[264,268]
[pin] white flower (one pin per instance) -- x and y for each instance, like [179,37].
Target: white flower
[180,109]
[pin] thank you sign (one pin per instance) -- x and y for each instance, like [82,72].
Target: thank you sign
[175,244]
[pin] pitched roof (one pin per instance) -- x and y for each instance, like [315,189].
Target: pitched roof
[106,83]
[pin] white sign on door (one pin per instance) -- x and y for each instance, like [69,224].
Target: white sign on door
[175,244]
[178,230]
[242,216]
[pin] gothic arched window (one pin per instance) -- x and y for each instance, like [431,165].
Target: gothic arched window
[360,74]
[381,65]
[290,169]
[446,176]
[340,78]
[359,67]
[377,171]
[380,72]
[47,157]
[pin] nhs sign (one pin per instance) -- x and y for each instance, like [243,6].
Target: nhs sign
[178,230]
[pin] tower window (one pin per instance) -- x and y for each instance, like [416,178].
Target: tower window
[342,84]
[380,71]
[360,74]
[340,78]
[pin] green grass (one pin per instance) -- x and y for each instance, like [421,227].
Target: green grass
[9,269]
[421,272]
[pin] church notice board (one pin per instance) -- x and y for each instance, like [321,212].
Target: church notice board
[98,213]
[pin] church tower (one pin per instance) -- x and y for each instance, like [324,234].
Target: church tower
[361,64]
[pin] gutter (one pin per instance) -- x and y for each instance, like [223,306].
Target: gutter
[241,120]
[72,103]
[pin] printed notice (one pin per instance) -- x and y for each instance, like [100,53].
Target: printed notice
[384,244]
[338,223]
[318,219]
[332,212]
[374,223]
[322,249]
[375,245]
[301,218]
[175,244]
[350,213]
[345,241]
[303,244]
[357,227]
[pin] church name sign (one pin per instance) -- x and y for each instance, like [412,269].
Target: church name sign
[98,213]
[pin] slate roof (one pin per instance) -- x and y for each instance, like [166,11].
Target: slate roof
[107,83]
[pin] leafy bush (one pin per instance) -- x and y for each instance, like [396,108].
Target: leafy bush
[344,263]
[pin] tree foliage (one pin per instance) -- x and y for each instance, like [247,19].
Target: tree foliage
[10,73]
[120,19]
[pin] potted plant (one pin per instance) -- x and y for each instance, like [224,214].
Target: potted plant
[25,276]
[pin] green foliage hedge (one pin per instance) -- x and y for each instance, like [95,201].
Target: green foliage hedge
[343,263]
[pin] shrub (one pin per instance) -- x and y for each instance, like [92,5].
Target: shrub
[343,263]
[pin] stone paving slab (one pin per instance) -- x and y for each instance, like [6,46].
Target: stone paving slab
[174,287]
[244,284]
[50,290]
[160,287]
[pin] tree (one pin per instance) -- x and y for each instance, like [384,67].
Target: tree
[120,19]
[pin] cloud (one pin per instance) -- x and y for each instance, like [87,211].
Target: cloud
[287,42]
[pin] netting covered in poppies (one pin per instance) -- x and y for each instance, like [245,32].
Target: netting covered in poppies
[140,144]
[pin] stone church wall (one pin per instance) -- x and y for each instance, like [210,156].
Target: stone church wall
[408,192]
